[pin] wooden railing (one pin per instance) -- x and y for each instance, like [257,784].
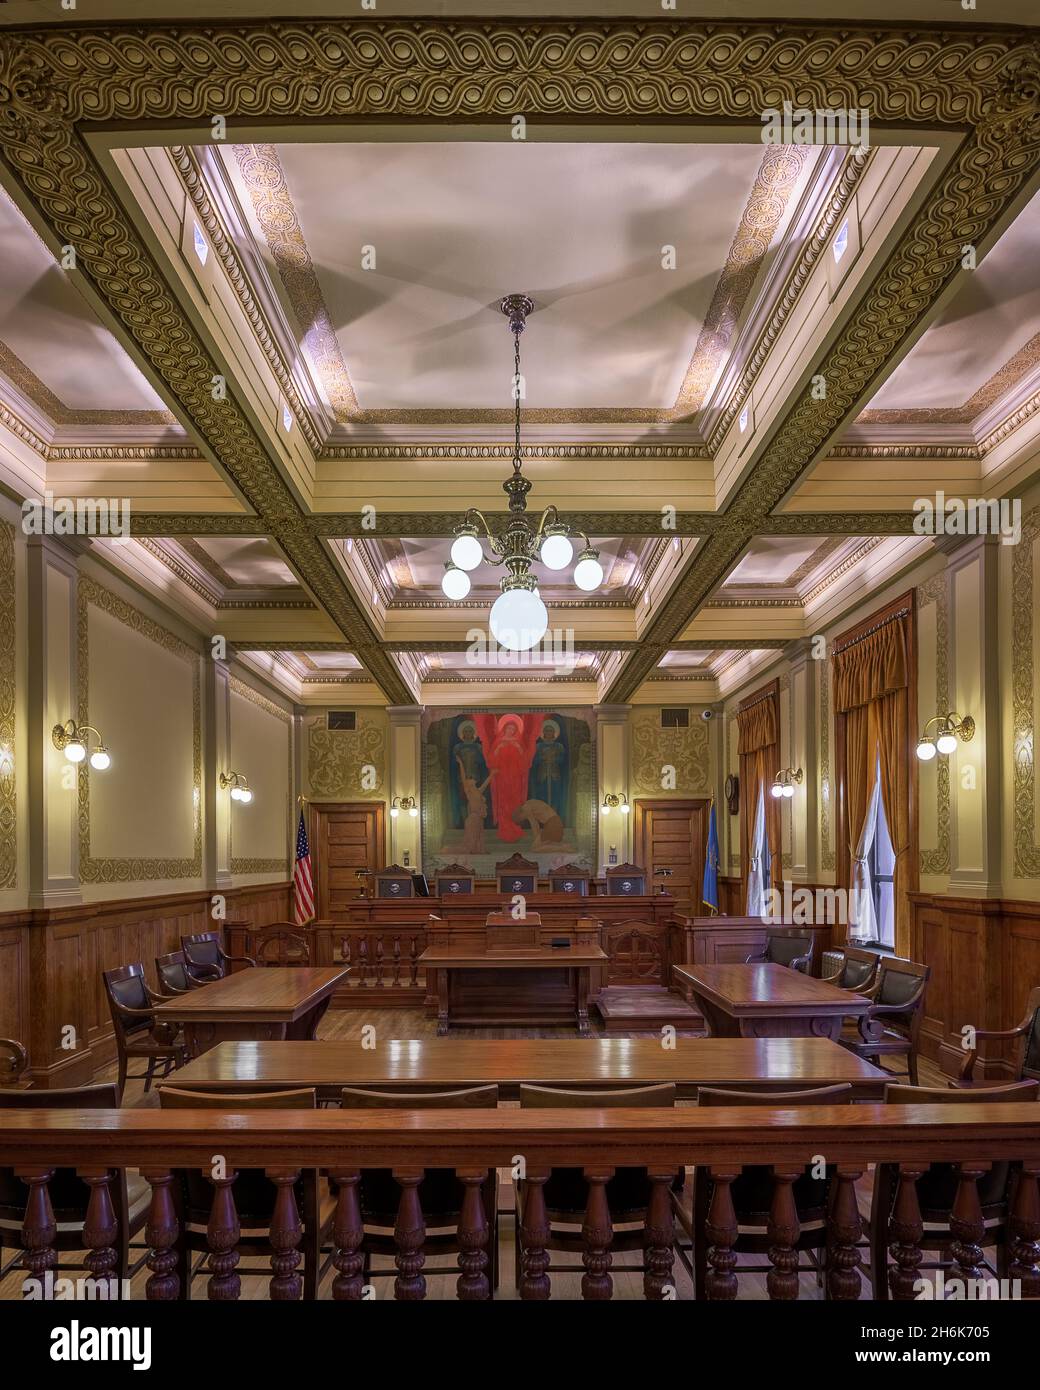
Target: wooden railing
[342,1143]
[383,960]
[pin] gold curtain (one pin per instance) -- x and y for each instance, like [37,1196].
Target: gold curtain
[871,690]
[759,753]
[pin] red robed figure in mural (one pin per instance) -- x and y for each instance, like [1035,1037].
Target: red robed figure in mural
[508,742]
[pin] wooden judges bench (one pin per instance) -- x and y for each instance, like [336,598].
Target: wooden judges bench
[642,938]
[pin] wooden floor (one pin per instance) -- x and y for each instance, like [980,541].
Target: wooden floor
[405,1023]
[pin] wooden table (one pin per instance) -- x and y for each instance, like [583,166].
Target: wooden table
[768,1001]
[525,985]
[258,1004]
[755,1064]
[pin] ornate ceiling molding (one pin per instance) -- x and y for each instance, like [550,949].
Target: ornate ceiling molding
[54,82]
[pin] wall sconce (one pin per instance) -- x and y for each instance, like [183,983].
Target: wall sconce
[70,738]
[615,801]
[785,781]
[951,728]
[238,784]
[404,803]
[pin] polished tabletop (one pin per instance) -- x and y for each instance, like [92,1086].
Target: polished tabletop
[767,987]
[768,1063]
[270,992]
[510,957]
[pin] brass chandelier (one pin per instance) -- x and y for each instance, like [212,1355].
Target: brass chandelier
[518,618]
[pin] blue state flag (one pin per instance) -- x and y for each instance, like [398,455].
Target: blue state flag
[710,889]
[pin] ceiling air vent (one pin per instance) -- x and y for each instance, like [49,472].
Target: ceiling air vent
[342,719]
[675,718]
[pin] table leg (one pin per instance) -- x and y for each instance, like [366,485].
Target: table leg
[583,1000]
[442,1003]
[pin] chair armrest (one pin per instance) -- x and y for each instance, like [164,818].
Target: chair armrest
[830,979]
[752,960]
[801,963]
[19,1057]
[125,1011]
[201,973]
[239,960]
[993,1035]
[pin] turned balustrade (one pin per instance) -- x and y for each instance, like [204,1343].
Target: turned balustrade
[35,1143]
[382,958]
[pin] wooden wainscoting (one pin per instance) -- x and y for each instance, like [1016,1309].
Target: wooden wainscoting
[51,995]
[985,958]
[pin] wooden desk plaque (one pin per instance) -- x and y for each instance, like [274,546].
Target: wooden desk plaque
[504,932]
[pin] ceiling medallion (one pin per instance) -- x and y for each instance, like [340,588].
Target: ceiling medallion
[518,618]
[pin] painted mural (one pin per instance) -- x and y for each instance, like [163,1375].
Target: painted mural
[496,783]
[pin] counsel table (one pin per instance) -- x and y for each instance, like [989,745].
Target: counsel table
[758,1064]
[768,1001]
[258,1004]
[523,985]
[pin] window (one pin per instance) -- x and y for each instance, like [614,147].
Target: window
[841,241]
[882,880]
[200,243]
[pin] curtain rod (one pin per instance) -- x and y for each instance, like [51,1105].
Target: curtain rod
[757,700]
[902,613]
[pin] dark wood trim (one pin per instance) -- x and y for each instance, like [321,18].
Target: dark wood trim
[841,828]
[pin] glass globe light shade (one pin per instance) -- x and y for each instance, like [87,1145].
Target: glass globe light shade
[455,583]
[244,794]
[588,572]
[776,789]
[605,810]
[395,811]
[788,791]
[99,759]
[413,811]
[557,552]
[926,750]
[518,619]
[946,742]
[466,552]
[236,793]
[75,751]
[625,808]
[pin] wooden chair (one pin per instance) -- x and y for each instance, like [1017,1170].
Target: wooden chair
[440,1192]
[171,970]
[280,944]
[569,878]
[69,1195]
[517,875]
[454,879]
[395,881]
[12,1066]
[790,946]
[1026,1037]
[752,1194]
[565,1192]
[937,1188]
[893,1021]
[138,1032]
[857,969]
[626,881]
[206,957]
[253,1191]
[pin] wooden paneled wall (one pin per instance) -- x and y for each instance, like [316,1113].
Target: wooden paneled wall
[985,958]
[51,994]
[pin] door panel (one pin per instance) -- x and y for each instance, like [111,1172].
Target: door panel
[346,836]
[671,835]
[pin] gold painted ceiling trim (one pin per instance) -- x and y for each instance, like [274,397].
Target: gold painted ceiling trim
[984,81]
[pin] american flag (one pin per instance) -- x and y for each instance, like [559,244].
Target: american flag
[303,883]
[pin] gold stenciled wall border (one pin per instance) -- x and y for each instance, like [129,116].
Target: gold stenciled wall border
[265,866]
[936,590]
[133,870]
[8,658]
[1027,853]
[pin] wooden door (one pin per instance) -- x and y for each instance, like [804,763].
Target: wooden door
[672,835]
[347,836]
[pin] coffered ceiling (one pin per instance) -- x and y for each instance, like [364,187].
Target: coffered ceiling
[283,343]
